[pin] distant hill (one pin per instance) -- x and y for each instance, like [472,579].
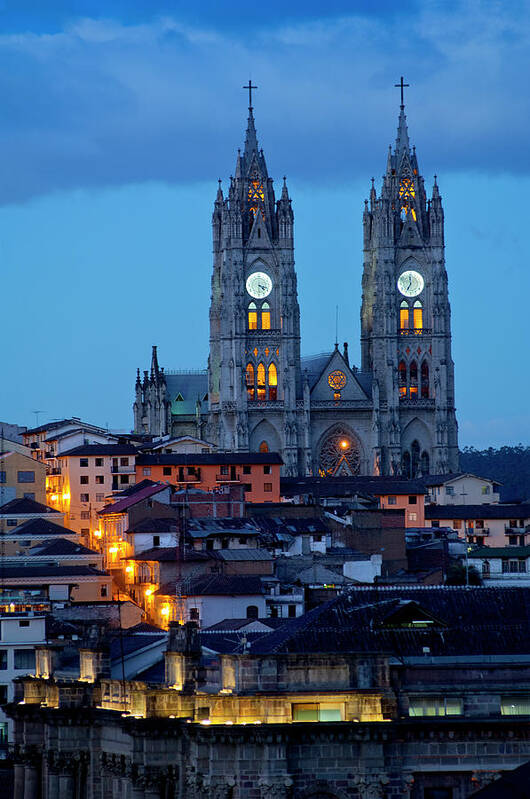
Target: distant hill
[509,465]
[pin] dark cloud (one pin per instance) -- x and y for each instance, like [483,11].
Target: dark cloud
[101,103]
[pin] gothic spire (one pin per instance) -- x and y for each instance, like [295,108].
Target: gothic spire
[251,139]
[402,140]
[154,363]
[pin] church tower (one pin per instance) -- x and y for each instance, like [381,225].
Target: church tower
[406,320]
[254,375]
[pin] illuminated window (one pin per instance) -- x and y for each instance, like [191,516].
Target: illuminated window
[256,195]
[252,316]
[435,706]
[265,316]
[404,316]
[249,378]
[261,381]
[425,379]
[407,194]
[317,712]
[273,382]
[413,372]
[418,316]
[263,447]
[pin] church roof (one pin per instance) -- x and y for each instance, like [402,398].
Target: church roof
[191,386]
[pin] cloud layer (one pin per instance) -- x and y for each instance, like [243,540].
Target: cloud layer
[101,103]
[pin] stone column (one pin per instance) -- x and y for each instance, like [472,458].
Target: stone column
[66,786]
[31,782]
[19,781]
[52,786]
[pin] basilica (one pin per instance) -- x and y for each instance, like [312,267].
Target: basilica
[392,414]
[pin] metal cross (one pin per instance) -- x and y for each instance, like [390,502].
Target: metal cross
[250,87]
[401,86]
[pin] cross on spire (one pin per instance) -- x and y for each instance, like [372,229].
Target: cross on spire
[249,88]
[401,86]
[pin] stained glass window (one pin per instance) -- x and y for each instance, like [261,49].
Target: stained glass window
[337,380]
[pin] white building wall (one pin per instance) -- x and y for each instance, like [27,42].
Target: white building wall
[213,609]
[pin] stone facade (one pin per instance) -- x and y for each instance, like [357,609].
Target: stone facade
[394,415]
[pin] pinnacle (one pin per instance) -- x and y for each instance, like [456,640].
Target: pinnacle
[402,141]
[251,139]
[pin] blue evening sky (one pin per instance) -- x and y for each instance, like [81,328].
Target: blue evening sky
[117,118]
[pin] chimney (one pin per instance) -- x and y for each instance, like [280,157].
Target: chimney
[345,354]
[94,655]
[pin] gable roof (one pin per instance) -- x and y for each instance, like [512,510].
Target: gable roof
[148,525]
[124,504]
[476,621]
[100,449]
[62,546]
[25,507]
[39,527]
[192,386]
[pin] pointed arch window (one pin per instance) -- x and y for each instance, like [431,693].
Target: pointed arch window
[249,377]
[273,382]
[414,458]
[413,380]
[265,316]
[402,379]
[252,316]
[263,447]
[404,316]
[261,381]
[425,380]
[418,316]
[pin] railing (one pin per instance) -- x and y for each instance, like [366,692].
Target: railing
[123,469]
[420,402]
[260,332]
[415,331]
[55,470]
[278,404]
[227,478]
[363,404]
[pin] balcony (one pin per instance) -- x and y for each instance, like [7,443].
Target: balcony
[480,531]
[228,478]
[415,331]
[188,478]
[115,469]
[55,470]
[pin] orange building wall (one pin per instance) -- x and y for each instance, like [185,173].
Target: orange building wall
[211,477]
[402,503]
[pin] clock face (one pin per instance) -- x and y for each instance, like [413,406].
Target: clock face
[410,283]
[259,285]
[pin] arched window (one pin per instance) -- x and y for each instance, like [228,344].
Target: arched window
[261,381]
[406,464]
[263,447]
[402,379]
[424,462]
[413,372]
[273,382]
[418,316]
[414,458]
[424,379]
[252,612]
[249,377]
[404,316]
[265,316]
[252,316]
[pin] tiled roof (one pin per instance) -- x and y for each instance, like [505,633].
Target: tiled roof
[148,525]
[123,504]
[473,621]
[29,572]
[62,546]
[130,490]
[440,479]
[209,458]
[39,527]
[202,528]
[340,486]
[516,511]
[242,554]
[217,585]
[227,625]
[100,449]
[25,507]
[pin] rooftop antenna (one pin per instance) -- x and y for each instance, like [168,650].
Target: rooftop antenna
[37,417]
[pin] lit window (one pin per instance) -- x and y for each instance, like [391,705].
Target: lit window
[515,705]
[267,487]
[263,447]
[418,316]
[252,316]
[404,316]
[261,381]
[273,382]
[435,706]
[265,316]
[317,712]
[249,377]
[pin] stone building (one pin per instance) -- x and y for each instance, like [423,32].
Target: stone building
[416,693]
[393,415]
